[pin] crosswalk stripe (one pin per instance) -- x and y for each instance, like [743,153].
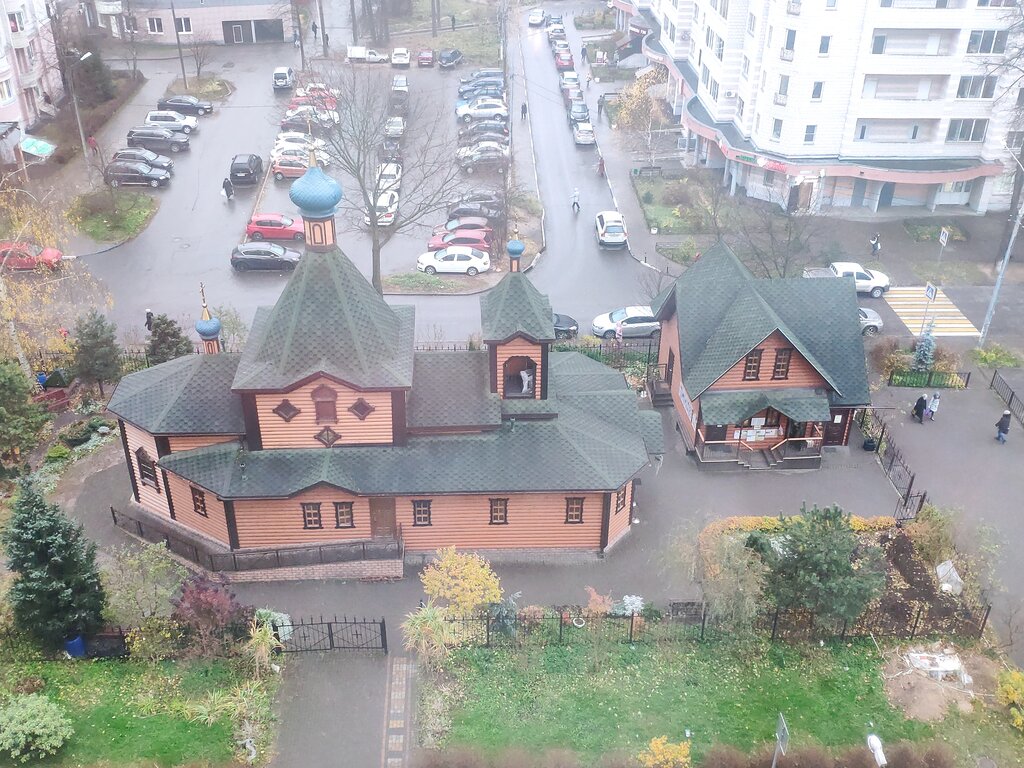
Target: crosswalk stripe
[912,308]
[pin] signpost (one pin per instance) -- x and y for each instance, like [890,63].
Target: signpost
[930,292]
[943,239]
[781,739]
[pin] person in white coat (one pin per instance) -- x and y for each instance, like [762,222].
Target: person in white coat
[933,406]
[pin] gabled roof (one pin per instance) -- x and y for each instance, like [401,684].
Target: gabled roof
[723,312]
[329,320]
[452,389]
[190,395]
[515,306]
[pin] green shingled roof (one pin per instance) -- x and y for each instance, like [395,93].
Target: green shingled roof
[190,395]
[329,320]
[452,389]
[515,306]
[724,312]
[736,406]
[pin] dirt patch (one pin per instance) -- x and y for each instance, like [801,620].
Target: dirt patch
[924,698]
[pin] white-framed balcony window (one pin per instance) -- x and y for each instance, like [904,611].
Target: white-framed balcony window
[751,23]
[17,21]
[155,25]
[184,25]
[977,87]
[985,41]
[745,67]
[967,130]
[739,107]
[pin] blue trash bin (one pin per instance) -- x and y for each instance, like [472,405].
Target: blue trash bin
[75,647]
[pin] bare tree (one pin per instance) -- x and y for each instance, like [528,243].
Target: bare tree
[200,46]
[429,175]
[775,243]
[130,25]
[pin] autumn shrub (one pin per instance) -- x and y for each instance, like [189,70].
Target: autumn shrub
[57,453]
[932,534]
[428,633]
[531,617]
[210,613]
[661,753]
[462,581]
[259,648]
[598,605]
[677,193]
[945,359]
[886,356]
[155,639]
[32,728]
[811,756]
[1010,693]
[30,684]
[939,755]
[724,756]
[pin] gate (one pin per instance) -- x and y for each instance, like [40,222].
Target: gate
[908,508]
[344,634]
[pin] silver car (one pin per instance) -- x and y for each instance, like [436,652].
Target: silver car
[629,322]
[870,322]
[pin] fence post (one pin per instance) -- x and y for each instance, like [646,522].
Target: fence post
[881,436]
[703,619]
[113,515]
[967,381]
[330,634]
[992,383]
[632,615]
[487,623]
[383,635]
[891,374]
[775,623]
[984,620]
[910,485]
[917,620]
[561,623]
[842,635]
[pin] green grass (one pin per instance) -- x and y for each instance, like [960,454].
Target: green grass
[948,272]
[680,253]
[106,703]
[923,230]
[609,74]
[465,11]
[997,356]
[556,697]
[209,88]
[657,213]
[418,282]
[129,214]
[479,44]
[602,19]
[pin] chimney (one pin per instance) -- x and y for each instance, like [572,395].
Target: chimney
[515,252]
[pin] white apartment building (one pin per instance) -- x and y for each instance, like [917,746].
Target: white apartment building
[30,81]
[841,103]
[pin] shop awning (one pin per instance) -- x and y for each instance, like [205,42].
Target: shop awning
[31,145]
[736,406]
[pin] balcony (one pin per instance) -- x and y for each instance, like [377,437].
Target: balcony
[786,54]
[31,75]
[793,8]
[109,7]
[781,99]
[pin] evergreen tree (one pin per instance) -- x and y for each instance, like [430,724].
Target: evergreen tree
[93,82]
[21,420]
[97,355]
[58,593]
[166,341]
[924,352]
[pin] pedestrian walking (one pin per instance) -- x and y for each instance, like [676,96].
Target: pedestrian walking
[149,319]
[315,29]
[576,200]
[876,244]
[600,105]
[589,78]
[1003,427]
[327,39]
[523,110]
[600,165]
[933,406]
[453,22]
[583,53]
[295,38]
[227,189]
[93,145]
[63,333]
[919,408]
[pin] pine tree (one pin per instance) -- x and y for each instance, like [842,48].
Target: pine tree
[58,593]
[21,420]
[97,355]
[924,352]
[166,341]
[94,81]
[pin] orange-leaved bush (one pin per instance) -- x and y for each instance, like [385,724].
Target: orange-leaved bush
[463,581]
[661,753]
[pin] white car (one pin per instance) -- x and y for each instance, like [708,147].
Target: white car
[556,32]
[483,107]
[387,210]
[394,128]
[870,321]
[309,112]
[389,177]
[611,229]
[456,259]
[537,17]
[569,80]
[298,139]
[400,83]
[560,46]
[400,57]
[583,134]
[297,152]
[314,90]
[629,322]
[174,121]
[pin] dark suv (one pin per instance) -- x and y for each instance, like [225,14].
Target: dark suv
[246,169]
[156,139]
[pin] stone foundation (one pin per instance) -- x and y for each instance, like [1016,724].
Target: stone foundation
[359,569]
[548,555]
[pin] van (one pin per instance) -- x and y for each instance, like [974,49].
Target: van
[284,78]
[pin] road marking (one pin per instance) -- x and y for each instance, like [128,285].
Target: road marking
[912,308]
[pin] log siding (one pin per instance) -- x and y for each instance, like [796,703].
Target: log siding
[520,347]
[213,525]
[151,498]
[279,522]
[801,372]
[191,442]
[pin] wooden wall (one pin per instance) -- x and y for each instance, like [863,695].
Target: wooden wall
[213,525]
[190,442]
[519,347]
[278,522]
[301,431]
[801,372]
[670,341]
[618,522]
[153,499]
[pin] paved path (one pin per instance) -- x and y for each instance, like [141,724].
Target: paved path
[917,313]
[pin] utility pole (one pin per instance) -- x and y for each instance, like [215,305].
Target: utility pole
[323,25]
[990,313]
[181,56]
[352,19]
[297,21]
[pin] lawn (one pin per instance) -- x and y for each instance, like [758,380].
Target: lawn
[659,212]
[418,282]
[555,696]
[479,44]
[113,216]
[126,713]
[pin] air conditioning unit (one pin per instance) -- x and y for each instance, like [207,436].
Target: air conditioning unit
[730,94]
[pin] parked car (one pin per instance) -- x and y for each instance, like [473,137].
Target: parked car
[474,238]
[481,109]
[611,229]
[485,196]
[448,58]
[483,92]
[425,58]
[186,105]
[274,226]
[156,139]
[569,95]
[559,46]
[261,255]
[556,31]
[394,128]
[299,139]
[389,177]
[500,138]
[284,78]
[357,53]
[400,83]
[464,223]
[308,113]
[565,327]
[126,173]
[386,209]
[476,210]
[578,113]
[400,57]
[583,134]
[563,61]
[321,102]
[869,281]
[390,151]
[458,259]
[320,91]
[16,255]
[288,168]
[484,126]
[140,155]
[537,17]
[485,154]
[398,103]
[569,80]
[174,121]
[870,321]
[473,85]
[246,169]
[633,322]
[299,153]
[477,74]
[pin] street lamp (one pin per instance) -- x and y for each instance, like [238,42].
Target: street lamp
[1002,266]
[74,104]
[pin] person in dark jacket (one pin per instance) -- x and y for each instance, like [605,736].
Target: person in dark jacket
[227,188]
[1002,427]
[919,408]
[149,319]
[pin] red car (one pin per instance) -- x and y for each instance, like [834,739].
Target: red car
[18,255]
[425,59]
[274,226]
[464,223]
[323,101]
[288,168]
[474,238]
[563,61]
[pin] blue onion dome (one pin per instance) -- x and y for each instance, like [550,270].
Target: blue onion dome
[208,327]
[316,194]
[515,248]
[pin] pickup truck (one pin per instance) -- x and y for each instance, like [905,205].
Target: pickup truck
[868,281]
[369,55]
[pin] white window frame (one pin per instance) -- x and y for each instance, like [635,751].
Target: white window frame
[809,133]
[976,127]
[182,22]
[777,130]
[6,90]
[154,25]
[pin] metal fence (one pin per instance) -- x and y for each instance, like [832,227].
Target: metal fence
[108,643]
[1014,402]
[895,466]
[617,354]
[333,634]
[256,559]
[930,379]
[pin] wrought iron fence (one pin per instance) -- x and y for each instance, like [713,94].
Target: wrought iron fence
[333,634]
[930,379]
[1014,403]
[617,354]
[874,428]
